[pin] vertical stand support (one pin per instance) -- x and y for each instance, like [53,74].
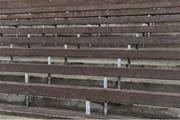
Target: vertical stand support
[65,45]
[119,65]
[11,46]
[28,36]
[149,24]
[78,36]
[11,57]
[88,107]
[56,34]
[1,35]
[27,98]
[129,61]
[49,74]
[65,58]
[105,105]
[137,45]
[88,103]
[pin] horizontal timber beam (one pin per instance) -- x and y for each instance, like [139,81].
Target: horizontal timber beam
[91,7]
[163,74]
[78,30]
[85,53]
[119,40]
[93,94]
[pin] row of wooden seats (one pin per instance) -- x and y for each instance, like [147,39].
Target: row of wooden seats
[144,17]
[51,3]
[147,19]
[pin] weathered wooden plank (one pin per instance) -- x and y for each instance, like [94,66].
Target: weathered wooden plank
[77,30]
[121,40]
[91,7]
[84,21]
[46,3]
[93,94]
[85,53]
[173,74]
[130,12]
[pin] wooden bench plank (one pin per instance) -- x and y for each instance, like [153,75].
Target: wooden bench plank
[135,13]
[93,94]
[122,40]
[85,53]
[163,74]
[111,13]
[92,7]
[78,30]
[97,21]
[46,3]
[130,12]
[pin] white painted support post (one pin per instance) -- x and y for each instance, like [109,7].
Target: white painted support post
[100,26]
[67,12]
[65,46]
[105,82]
[78,36]
[88,104]
[137,35]
[150,24]
[12,45]
[49,60]
[129,47]
[49,74]
[137,45]
[129,61]
[27,98]
[26,78]
[145,33]
[56,34]
[29,35]
[88,107]
[105,105]
[11,57]
[43,35]
[119,65]
[149,34]
[65,58]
